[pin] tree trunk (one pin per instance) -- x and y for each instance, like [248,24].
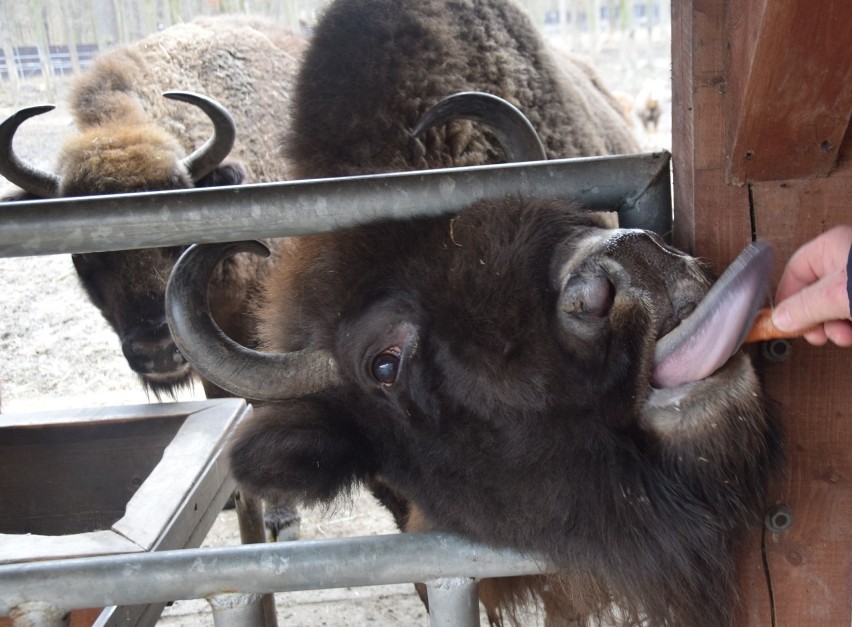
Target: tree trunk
[70,35]
[9,54]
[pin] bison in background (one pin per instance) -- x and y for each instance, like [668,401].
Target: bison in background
[131,139]
[490,373]
[374,68]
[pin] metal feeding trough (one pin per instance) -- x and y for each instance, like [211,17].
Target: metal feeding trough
[114,480]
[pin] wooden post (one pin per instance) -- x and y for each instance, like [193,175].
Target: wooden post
[722,51]
[798,99]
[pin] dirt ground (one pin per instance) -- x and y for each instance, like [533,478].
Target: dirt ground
[56,351]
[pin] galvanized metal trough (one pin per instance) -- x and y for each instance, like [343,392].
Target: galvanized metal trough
[112,481]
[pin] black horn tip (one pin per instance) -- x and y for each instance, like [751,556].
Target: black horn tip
[37,182]
[189,96]
[205,159]
[467,105]
[28,112]
[512,128]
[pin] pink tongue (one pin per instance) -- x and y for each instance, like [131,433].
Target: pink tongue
[704,341]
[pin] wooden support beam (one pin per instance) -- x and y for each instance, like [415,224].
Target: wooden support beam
[797,98]
[714,55]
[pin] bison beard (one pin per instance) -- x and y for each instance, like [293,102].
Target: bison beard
[464,392]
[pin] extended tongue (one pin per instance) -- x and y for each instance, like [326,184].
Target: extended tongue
[704,341]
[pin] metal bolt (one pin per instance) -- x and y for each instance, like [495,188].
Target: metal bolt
[776,351]
[778,519]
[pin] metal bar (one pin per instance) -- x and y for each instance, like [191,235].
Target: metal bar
[253,531]
[250,517]
[237,610]
[453,602]
[125,221]
[260,568]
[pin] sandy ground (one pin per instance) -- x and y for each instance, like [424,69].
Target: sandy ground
[373,605]
[56,351]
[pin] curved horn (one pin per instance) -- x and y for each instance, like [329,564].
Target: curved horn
[512,128]
[247,373]
[25,176]
[204,160]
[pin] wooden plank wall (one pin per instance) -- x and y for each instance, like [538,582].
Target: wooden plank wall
[732,72]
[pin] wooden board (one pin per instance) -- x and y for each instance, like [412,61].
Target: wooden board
[797,100]
[715,43]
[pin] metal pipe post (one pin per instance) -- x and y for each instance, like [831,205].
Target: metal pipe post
[253,531]
[273,567]
[628,184]
[453,602]
[237,610]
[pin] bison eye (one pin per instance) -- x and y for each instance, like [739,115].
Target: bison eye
[385,368]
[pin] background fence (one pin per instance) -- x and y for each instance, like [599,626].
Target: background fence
[52,39]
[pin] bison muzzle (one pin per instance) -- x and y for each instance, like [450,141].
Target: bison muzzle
[494,371]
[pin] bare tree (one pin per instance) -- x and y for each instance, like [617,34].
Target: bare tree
[71,38]
[9,54]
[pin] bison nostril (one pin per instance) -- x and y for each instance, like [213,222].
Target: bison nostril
[152,355]
[587,295]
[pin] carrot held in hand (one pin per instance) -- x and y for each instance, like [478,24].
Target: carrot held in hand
[764,329]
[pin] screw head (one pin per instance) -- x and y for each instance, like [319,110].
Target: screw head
[778,519]
[776,351]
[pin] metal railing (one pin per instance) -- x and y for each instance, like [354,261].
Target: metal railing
[233,578]
[637,186]
[27,60]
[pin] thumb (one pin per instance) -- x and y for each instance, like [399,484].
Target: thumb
[825,300]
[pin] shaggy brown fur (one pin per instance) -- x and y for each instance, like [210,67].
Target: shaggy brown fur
[509,422]
[247,64]
[374,68]
[471,399]
[131,139]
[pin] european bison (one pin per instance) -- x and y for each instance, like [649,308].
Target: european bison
[130,139]
[518,373]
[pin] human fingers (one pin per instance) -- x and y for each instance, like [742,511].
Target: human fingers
[816,336]
[817,258]
[839,332]
[821,301]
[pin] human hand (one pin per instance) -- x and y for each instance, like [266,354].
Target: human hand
[813,291]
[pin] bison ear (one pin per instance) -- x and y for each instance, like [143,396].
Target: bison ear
[299,450]
[231,173]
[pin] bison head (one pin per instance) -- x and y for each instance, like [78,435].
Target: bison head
[497,370]
[126,151]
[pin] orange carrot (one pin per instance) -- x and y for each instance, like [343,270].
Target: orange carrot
[764,329]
